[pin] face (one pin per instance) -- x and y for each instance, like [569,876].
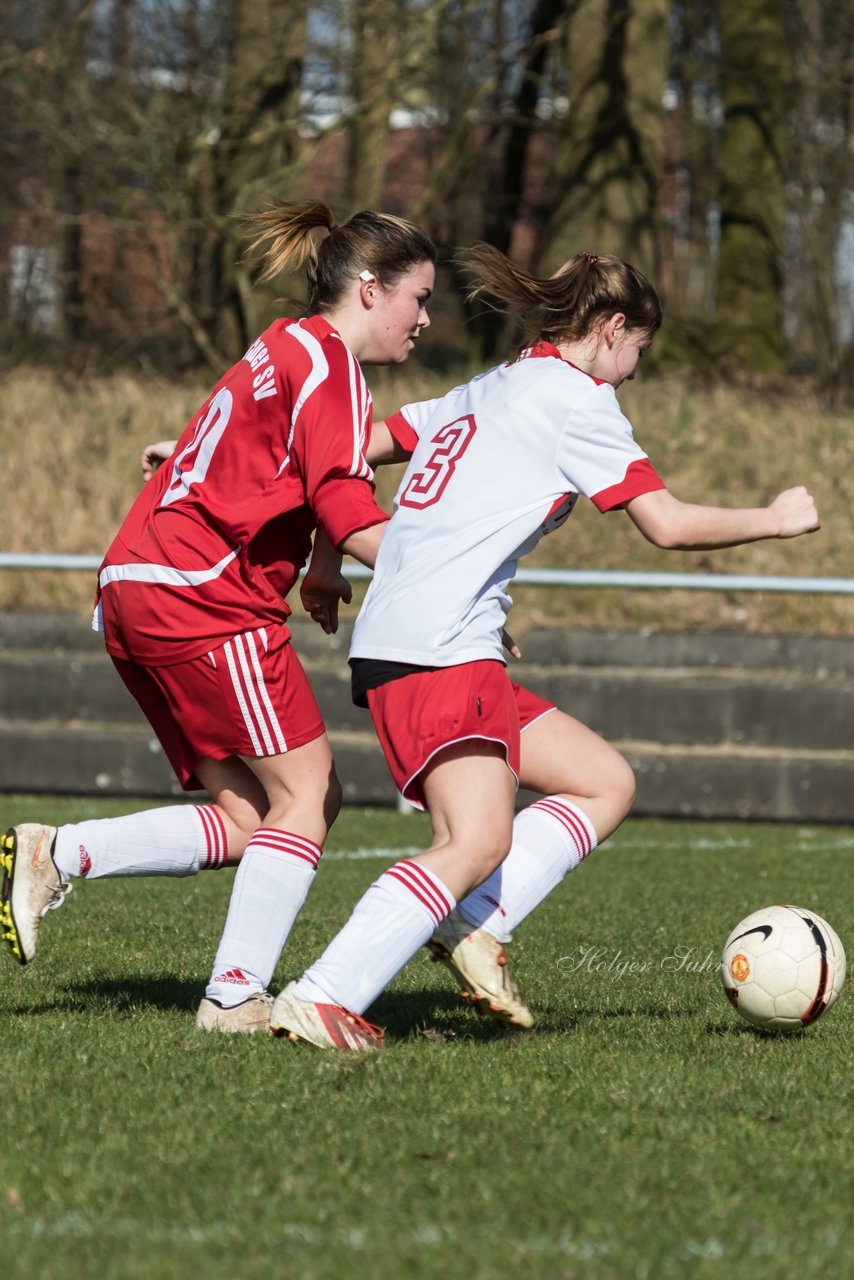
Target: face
[618,351]
[398,314]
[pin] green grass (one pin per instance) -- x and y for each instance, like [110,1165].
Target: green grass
[641,1130]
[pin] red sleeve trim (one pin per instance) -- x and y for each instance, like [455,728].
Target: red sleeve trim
[402,431]
[641,477]
[342,506]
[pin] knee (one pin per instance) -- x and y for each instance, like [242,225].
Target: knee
[239,835]
[333,800]
[321,804]
[489,851]
[312,811]
[624,786]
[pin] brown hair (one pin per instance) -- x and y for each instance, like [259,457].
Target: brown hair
[583,292]
[381,243]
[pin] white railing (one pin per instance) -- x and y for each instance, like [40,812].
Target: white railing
[535,577]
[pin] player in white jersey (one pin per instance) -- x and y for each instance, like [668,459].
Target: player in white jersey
[494,466]
[191,602]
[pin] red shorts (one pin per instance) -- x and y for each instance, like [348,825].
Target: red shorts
[249,697]
[419,715]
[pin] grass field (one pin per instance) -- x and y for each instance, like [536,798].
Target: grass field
[641,1130]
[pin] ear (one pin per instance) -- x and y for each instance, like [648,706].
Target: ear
[614,328]
[367,288]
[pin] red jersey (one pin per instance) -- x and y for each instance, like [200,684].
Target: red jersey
[218,536]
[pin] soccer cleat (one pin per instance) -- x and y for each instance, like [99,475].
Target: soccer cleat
[31,886]
[479,963]
[252,1014]
[327,1025]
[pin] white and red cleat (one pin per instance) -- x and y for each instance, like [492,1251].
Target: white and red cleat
[327,1025]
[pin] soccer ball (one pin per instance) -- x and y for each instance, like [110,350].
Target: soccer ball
[782,968]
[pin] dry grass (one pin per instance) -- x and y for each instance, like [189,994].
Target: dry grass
[72,450]
[72,463]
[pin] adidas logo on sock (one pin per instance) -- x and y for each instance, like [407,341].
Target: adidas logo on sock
[234,976]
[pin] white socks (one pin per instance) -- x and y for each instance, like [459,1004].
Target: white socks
[402,909]
[176,841]
[271,884]
[550,838]
[395,917]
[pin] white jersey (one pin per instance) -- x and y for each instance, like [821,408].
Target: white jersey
[496,464]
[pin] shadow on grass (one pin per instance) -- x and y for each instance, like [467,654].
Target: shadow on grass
[435,1015]
[552,1021]
[119,995]
[725,1030]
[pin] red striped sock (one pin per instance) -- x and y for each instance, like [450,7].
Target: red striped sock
[272,882]
[393,919]
[550,838]
[215,837]
[176,840]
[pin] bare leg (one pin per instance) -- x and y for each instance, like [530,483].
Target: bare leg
[587,790]
[470,792]
[561,756]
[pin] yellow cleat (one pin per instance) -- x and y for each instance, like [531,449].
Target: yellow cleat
[31,887]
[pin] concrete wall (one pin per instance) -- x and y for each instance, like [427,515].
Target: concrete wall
[718,726]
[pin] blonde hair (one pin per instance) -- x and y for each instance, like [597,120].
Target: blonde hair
[586,290]
[384,245]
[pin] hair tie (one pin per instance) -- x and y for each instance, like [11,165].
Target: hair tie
[589,257]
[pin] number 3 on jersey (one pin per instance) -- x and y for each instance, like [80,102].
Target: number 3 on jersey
[191,464]
[428,484]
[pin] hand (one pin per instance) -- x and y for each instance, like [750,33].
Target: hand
[154,454]
[510,644]
[320,594]
[796,512]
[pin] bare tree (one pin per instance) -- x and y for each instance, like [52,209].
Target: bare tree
[756,81]
[257,149]
[820,173]
[374,30]
[607,171]
[707,140]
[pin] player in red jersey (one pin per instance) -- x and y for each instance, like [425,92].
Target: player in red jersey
[495,465]
[191,601]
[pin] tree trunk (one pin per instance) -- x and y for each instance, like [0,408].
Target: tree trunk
[756,77]
[374,27]
[259,140]
[820,175]
[504,201]
[609,159]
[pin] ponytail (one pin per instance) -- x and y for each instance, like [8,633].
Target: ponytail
[384,245]
[583,292]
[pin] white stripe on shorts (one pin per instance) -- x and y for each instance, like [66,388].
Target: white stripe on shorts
[261,690]
[253,685]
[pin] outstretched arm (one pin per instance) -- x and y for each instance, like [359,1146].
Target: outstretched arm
[687,526]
